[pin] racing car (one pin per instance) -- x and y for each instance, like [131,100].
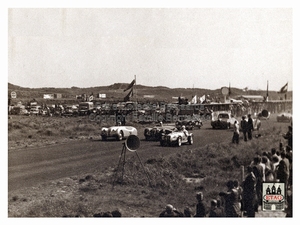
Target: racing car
[117,132]
[176,138]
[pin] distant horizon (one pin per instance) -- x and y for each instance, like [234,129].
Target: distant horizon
[249,89]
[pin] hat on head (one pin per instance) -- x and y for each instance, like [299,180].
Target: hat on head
[214,202]
[169,206]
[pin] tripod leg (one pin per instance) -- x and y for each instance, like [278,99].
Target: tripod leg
[124,161]
[144,169]
[117,170]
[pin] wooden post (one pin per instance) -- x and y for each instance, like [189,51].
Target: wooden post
[242,173]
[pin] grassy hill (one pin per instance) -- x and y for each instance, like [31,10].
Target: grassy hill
[115,93]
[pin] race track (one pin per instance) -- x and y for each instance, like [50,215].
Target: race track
[29,167]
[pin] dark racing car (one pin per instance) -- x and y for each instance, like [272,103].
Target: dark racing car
[190,122]
[154,133]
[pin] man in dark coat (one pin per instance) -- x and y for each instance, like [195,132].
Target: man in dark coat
[249,193]
[244,126]
[258,171]
[200,207]
[250,127]
[289,137]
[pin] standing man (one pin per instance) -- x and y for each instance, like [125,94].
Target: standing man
[200,207]
[249,193]
[289,137]
[244,126]
[250,127]
[236,132]
[232,204]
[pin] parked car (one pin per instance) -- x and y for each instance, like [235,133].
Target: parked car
[70,110]
[19,110]
[117,132]
[222,120]
[175,138]
[35,110]
[154,133]
[284,117]
[85,108]
[190,122]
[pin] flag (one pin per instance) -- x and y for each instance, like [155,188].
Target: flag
[91,97]
[194,100]
[130,85]
[127,97]
[284,89]
[202,99]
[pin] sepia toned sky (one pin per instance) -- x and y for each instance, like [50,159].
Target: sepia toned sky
[174,47]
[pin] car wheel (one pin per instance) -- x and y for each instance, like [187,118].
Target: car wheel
[191,140]
[103,137]
[179,142]
[121,136]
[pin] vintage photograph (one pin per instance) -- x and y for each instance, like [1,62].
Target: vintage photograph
[150,112]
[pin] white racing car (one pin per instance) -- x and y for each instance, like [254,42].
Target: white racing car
[117,132]
[175,137]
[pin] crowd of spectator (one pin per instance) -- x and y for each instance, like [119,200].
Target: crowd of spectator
[244,200]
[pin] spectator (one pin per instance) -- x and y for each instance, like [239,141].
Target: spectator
[281,173]
[287,165]
[258,172]
[236,132]
[220,208]
[244,126]
[269,174]
[232,207]
[200,207]
[187,212]
[214,210]
[170,211]
[289,156]
[268,156]
[275,163]
[250,127]
[273,153]
[249,193]
[240,192]
[289,137]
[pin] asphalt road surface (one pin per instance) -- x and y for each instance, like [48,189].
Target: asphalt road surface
[31,166]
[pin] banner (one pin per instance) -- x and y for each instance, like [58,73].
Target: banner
[284,89]
[202,99]
[194,100]
[130,85]
[127,97]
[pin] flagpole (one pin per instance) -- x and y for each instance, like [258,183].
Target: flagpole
[135,88]
[267,98]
